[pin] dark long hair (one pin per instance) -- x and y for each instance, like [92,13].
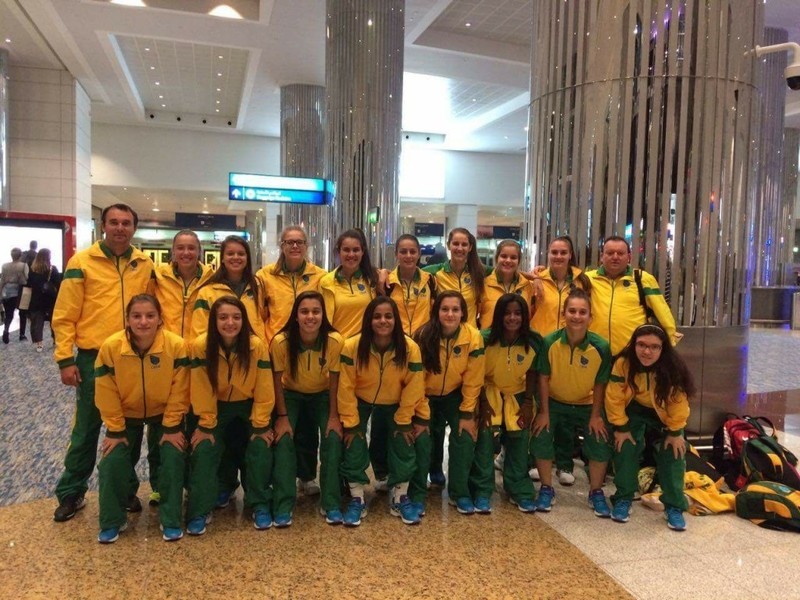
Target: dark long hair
[292,329]
[367,335]
[241,347]
[474,265]
[584,281]
[429,336]
[367,270]
[135,300]
[527,335]
[221,274]
[670,370]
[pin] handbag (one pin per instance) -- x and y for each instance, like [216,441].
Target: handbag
[25,298]
[49,289]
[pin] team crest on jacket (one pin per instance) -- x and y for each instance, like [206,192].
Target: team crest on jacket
[134,264]
[457,350]
[249,293]
[361,288]
[626,283]
[306,278]
[155,361]
[584,361]
[520,358]
[467,280]
[322,361]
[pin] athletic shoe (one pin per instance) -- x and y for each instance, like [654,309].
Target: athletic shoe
[356,510]
[111,535]
[405,510]
[171,534]
[525,505]
[621,513]
[437,479]
[674,517]
[420,508]
[534,474]
[155,499]
[283,520]
[310,488]
[565,477]
[545,499]
[598,501]
[464,505]
[483,506]
[68,507]
[197,525]
[5,337]
[134,505]
[23,338]
[381,485]
[332,517]
[262,519]
[223,499]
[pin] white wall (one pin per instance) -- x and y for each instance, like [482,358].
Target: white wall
[484,179]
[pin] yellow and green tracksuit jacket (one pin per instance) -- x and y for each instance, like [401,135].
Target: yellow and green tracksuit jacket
[446,279]
[94,293]
[177,299]
[313,369]
[574,372]
[493,289]
[507,368]
[549,303]
[345,300]
[282,288]
[233,384]
[616,310]
[211,292]
[619,394]
[382,382]
[413,300]
[463,366]
[133,386]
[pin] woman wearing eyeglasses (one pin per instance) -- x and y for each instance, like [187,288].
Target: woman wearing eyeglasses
[649,389]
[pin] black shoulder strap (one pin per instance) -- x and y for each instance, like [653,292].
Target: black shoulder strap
[637,277]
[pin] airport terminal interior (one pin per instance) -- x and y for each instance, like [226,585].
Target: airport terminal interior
[156,103]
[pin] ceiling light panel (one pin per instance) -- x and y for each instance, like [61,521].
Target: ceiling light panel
[508,21]
[186,75]
[244,9]
[469,99]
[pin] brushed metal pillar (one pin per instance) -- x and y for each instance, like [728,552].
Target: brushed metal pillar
[254,221]
[5,201]
[791,148]
[364,84]
[642,121]
[303,155]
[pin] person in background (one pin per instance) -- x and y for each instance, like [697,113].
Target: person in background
[505,279]
[98,284]
[13,276]
[30,254]
[44,280]
[412,289]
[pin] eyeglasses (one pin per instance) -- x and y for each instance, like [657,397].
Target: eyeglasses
[293,243]
[651,347]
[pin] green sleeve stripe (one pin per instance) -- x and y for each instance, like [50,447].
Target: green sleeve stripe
[73,274]
[201,304]
[651,291]
[617,379]
[198,362]
[415,367]
[181,362]
[264,364]
[103,370]
[346,360]
[477,352]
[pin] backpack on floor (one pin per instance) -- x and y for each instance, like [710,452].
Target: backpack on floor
[764,459]
[770,505]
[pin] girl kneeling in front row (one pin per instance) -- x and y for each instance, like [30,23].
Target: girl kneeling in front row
[650,389]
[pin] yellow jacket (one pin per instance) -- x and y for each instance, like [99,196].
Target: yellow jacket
[381,382]
[549,314]
[493,289]
[233,385]
[446,279]
[94,293]
[619,394]
[413,301]
[616,310]
[138,387]
[281,290]
[313,369]
[211,292]
[177,300]
[345,300]
[574,372]
[463,366]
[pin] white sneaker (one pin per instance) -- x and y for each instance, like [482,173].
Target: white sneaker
[310,488]
[381,485]
[565,477]
[39,347]
[534,474]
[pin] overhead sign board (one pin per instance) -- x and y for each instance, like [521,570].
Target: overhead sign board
[248,187]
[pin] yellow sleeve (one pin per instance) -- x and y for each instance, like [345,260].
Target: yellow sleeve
[67,312]
[202,307]
[346,401]
[106,393]
[178,401]
[656,301]
[330,298]
[413,402]
[618,395]
[472,381]
[204,399]
[335,344]
[264,397]
[278,354]
[677,409]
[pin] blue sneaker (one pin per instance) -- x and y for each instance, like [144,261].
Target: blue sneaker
[621,512]
[197,525]
[546,498]
[223,499]
[483,506]
[262,519]
[111,535]
[674,517]
[283,520]
[419,507]
[405,510]
[171,534]
[332,517]
[598,501]
[464,505]
[356,510]
[526,505]
[437,479]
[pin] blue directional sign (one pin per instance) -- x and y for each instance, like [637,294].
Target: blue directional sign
[247,187]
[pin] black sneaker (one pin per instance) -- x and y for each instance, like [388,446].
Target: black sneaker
[68,507]
[22,338]
[5,337]
[134,505]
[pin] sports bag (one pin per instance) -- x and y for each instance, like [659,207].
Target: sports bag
[763,459]
[770,505]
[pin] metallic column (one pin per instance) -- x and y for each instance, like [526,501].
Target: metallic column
[303,155]
[254,224]
[642,120]
[363,81]
[5,201]
[791,148]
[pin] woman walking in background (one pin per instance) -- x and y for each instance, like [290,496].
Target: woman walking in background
[44,280]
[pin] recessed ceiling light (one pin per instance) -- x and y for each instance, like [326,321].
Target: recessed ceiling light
[8,40]
[156,209]
[225,11]
[369,23]
[205,197]
[129,2]
[158,83]
[219,74]
[217,110]
[217,101]
[147,49]
[525,128]
[474,99]
[505,137]
[467,24]
[219,89]
[220,57]
[205,212]
[161,97]
[163,106]
[152,68]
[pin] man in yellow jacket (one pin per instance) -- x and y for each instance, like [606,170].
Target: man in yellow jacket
[98,284]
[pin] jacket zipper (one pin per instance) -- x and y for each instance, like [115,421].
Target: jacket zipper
[380,380]
[446,365]
[144,386]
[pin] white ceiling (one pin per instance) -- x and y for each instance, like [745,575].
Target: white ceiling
[474,53]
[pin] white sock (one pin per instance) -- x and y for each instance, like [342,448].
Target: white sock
[400,490]
[356,490]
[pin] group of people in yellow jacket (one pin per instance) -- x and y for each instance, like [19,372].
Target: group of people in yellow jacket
[240,376]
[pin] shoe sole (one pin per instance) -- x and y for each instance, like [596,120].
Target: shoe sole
[327,520]
[198,533]
[602,515]
[673,527]
[169,539]
[461,511]
[282,525]
[115,538]
[257,528]
[78,506]
[356,523]
[520,509]
[619,520]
